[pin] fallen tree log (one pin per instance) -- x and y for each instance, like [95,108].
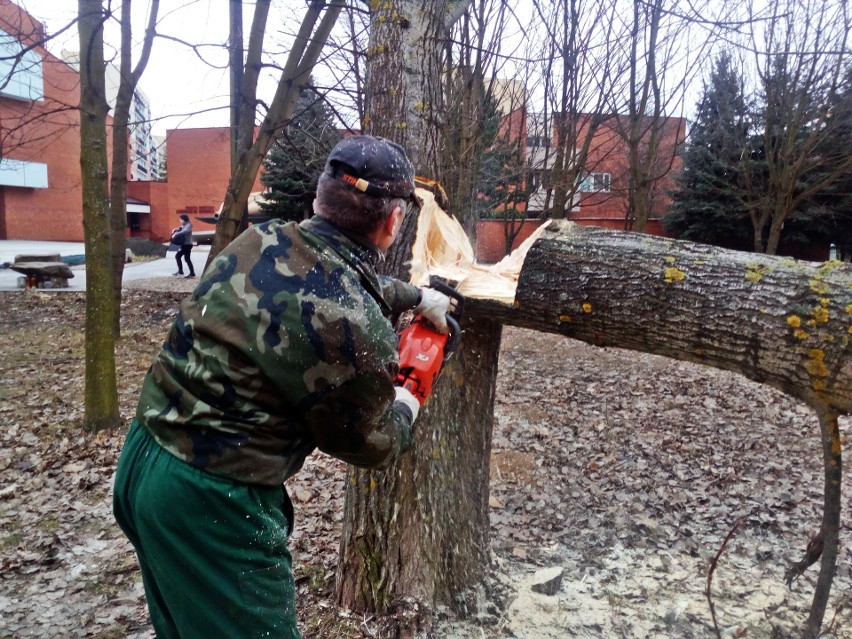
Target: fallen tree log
[776,320]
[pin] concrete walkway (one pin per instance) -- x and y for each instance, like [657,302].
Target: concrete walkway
[133,271]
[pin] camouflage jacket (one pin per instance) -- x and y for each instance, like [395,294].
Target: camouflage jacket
[283,347]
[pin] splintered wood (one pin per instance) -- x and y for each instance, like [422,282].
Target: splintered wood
[442,248]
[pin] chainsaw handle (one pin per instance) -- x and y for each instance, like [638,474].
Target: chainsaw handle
[440,284]
[455,336]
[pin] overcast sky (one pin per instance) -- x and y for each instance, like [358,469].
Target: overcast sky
[183,90]
[176,81]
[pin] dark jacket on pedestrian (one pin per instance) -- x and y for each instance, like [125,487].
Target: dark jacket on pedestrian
[182,235]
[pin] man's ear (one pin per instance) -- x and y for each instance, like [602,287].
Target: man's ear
[391,222]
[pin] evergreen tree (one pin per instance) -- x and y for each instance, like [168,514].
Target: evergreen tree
[294,163]
[493,174]
[707,206]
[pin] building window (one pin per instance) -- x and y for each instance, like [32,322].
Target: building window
[31,175]
[596,183]
[20,70]
[539,179]
[538,130]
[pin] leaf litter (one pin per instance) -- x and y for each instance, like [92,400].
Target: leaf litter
[625,470]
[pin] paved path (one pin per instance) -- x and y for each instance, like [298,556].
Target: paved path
[133,271]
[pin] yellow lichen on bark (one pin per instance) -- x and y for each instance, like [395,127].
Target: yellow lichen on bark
[818,286]
[815,365]
[755,272]
[820,314]
[674,274]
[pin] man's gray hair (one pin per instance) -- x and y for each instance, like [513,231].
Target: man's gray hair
[352,210]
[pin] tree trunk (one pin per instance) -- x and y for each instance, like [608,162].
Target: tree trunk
[405,95]
[402,522]
[121,117]
[778,321]
[758,222]
[300,62]
[830,528]
[420,529]
[775,228]
[101,393]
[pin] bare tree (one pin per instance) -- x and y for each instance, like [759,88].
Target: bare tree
[475,92]
[345,67]
[661,59]
[294,76]
[101,393]
[129,80]
[581,54]
[801,54]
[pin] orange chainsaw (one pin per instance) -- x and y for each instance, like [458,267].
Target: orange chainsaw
[423,351]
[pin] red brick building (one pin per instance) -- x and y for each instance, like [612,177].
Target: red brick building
[602,197]
[40,184]
[199,168]
[40,194]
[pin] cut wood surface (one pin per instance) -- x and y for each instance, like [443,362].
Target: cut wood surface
[780,321]
[442,248]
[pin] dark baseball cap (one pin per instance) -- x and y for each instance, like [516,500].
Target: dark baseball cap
[372,165]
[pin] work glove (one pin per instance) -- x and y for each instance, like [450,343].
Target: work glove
[434,306]
[404,395]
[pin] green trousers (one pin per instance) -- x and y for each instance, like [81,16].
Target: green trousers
[213,552]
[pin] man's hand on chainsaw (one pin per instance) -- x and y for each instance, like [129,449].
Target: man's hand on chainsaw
[434,306]
[404,395]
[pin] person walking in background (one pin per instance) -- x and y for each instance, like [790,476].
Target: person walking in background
[182,236]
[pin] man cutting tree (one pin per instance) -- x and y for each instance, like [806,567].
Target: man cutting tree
[282,348]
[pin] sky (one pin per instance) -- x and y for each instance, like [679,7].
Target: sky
[182,90]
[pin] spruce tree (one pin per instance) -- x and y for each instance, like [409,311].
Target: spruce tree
[706,204]
[294,163]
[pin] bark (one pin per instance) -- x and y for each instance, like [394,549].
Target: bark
[101,393]
[296,74]
[405,94]
[420,528]
[778,321]
[120,122]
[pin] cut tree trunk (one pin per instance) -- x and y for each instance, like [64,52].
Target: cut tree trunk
[420,529]
[779,321]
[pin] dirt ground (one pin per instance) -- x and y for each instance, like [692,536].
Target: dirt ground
[624,470]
